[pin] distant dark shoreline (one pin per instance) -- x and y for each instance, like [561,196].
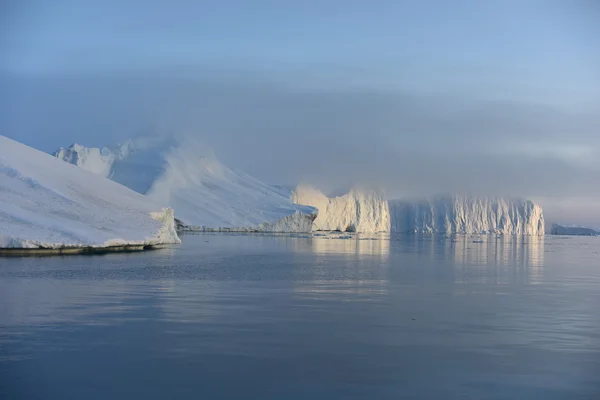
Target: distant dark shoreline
[572,231]
[88,250]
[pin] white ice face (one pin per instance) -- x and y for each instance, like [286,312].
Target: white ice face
[365,210]
[467,214]
[49,203]
[186,176]
[360,210]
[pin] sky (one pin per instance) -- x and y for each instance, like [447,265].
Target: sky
[497,97]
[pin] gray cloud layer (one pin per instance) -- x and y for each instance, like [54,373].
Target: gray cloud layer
[412,144]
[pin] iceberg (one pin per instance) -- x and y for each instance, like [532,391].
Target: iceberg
[450,214]
[359,210]
[205,194]
[365,210]
[50,204]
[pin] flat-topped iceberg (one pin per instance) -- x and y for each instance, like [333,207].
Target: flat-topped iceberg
[49,204]
[467,214]
[365,210]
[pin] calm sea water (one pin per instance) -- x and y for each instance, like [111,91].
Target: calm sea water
[282,317]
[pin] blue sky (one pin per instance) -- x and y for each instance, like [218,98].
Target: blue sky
[506,87]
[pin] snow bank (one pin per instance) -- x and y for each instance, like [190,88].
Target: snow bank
[464,214]
[360,210]
[206,195]
[46,203]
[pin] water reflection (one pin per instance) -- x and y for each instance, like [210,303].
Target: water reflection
[489,258]
[522,251]
[352,246]
[202,281]
[476,249]
[359,273]
[498,260]
[351,289]
[228,316]
[49,301]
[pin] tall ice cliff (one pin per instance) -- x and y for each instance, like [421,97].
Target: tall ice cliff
[465,214]
[359,210]
[364,210]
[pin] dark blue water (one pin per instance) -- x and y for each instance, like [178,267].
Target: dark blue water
[279,317]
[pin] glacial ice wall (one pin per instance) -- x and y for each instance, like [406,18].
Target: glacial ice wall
[367,211]
[359,210]
[467,214]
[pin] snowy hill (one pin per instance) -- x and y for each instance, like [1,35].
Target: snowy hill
[464,214]
[46,203]
[359,210]
[367,211]
[205,194]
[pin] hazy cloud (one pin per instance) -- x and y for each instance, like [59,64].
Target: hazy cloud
[410,143]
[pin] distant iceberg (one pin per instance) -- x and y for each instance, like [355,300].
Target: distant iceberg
[467,214]
[364,210]
[49,204]
[206,195]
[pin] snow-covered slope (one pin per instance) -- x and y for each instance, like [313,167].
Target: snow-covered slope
[95,160]
[464,214]
[205,194]
[359,210]
[135,163]
[46,203]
